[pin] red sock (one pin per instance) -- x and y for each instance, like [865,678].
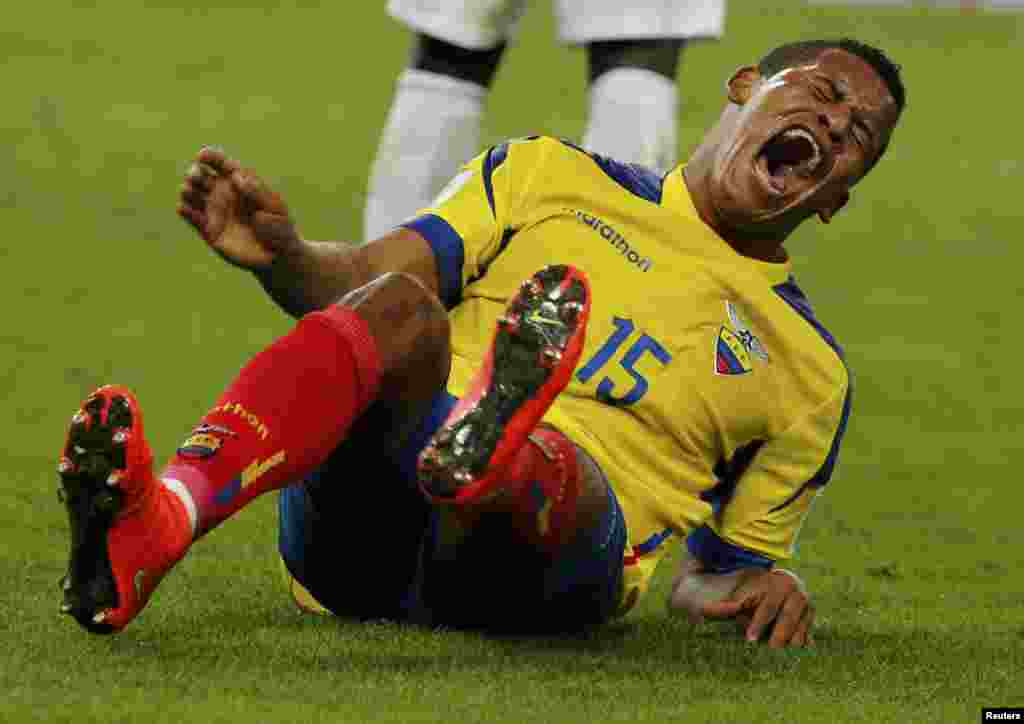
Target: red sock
[283,415]
[543,485]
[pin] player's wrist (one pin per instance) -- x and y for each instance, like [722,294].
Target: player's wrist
[693,589]
[289,254]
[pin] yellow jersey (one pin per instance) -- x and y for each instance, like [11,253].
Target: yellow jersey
[708,393]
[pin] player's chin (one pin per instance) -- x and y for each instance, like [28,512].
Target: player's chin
[748,215]
[741,199]
[778,211]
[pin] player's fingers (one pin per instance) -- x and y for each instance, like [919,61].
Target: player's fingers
[252,191]
[276,230]
[723,609]
[793,609]
[802,635]
[764,614]
[200,175]
[190,215]
[195,218]
[190,185]
[256,195]
[196,198]
[218,161]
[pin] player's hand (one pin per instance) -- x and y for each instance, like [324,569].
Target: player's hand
[235,212]
[769,599]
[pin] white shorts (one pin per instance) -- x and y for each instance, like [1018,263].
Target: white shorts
[483,24]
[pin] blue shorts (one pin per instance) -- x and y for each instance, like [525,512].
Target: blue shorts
[359,536]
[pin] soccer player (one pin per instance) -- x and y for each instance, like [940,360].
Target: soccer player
[433,125]
[500,414]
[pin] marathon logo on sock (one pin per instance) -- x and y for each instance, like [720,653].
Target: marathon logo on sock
[214,430]
[252,472]
[204,441]
[235,408]
[200,446]
[258,468]
[613,237]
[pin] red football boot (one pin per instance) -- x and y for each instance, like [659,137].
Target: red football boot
[533,355]
[127,529]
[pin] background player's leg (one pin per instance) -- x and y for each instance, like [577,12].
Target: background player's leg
[634,103]
[432,128]
[633,50]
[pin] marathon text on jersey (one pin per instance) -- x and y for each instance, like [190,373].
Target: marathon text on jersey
[614,238]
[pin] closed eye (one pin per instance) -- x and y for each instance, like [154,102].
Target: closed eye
[862,134]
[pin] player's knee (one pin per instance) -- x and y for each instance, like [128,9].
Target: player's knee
[660,55]
[592,504]
[410,327]
[474,66]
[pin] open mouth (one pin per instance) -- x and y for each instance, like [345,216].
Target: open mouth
[791,154]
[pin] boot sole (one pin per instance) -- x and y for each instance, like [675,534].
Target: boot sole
[533,355]
[92,462]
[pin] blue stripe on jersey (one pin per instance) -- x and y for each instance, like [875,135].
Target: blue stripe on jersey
[728,473]
[720,556]
[485,265]
[448,252]
[495,157]
[652,543]
[638,180]
[794,296]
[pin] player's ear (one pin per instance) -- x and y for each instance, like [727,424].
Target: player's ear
[827,212]
[741,85]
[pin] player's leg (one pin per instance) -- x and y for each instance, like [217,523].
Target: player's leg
[353,549]
[633,54]
[545,543]
[278,421]
[433,125]
[528,533]
[494,579]
[499,476]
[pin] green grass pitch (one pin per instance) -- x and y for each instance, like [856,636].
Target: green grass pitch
[914,553]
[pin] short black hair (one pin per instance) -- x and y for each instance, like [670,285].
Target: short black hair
[793,54]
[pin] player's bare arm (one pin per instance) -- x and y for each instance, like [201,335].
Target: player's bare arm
[249,225]
[759,599]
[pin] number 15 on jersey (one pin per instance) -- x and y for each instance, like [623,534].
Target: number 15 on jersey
[644,345]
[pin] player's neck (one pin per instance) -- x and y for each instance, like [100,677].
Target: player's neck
[763,245]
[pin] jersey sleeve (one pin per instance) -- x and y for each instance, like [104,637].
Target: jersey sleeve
[475,215]
[769,498]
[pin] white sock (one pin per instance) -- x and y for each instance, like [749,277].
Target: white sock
[432,129]
[633,117]
[178,488]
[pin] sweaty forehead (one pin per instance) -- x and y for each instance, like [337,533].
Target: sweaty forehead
[856,77]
